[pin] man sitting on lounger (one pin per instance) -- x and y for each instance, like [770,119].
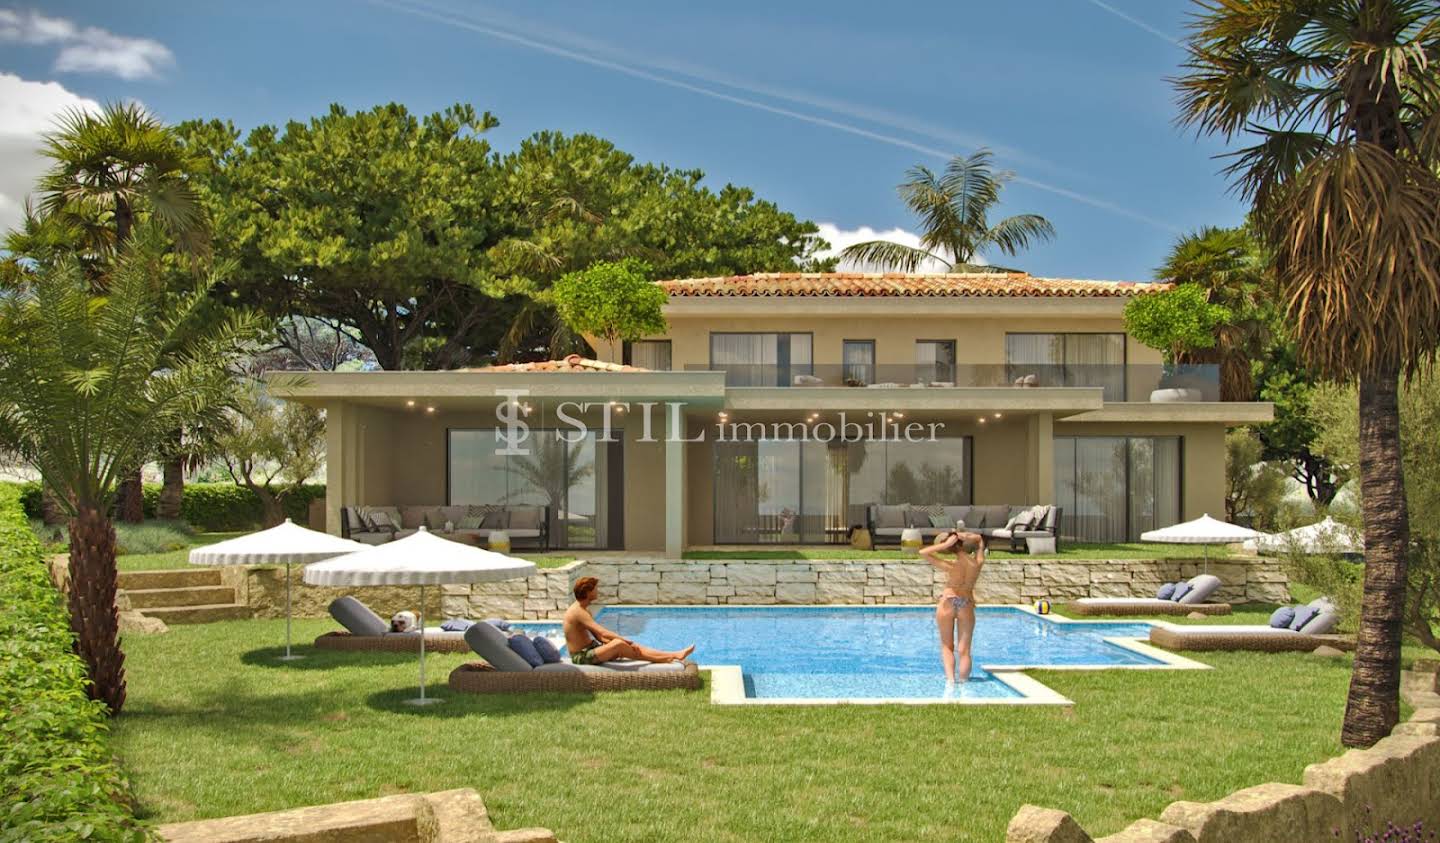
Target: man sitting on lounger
[591,643]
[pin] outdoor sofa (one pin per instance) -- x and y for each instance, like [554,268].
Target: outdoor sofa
[527,524]
[1311,633]
[505,672]
[367,631]
[1001,522]
[1193,600]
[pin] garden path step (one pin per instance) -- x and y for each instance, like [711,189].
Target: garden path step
[135,580]
[200,614]
[159,598]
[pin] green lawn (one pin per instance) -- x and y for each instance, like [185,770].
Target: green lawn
[215,726]
[1128,550]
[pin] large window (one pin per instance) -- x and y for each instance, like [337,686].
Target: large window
[1113,488]
[858,359]
[578,481]
[761,359]
[648,354]
[789,491]
[1069,360]
[935,361]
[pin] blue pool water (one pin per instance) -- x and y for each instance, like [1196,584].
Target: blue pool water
[867,652]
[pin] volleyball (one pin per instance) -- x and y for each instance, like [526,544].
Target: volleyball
[1043,607]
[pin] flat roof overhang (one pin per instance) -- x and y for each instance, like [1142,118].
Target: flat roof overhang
[1182,412]
[481,389]
[1064,402]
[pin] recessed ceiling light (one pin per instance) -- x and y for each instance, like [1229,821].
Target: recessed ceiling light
[898,415]
[982,419]
[997,415]
[429,409]
[410,403]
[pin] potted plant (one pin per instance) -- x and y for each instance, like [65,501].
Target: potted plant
[1177,322]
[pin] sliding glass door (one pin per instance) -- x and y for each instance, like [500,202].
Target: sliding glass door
[578,481]
[1113,488]
[1069,360]
[761,359]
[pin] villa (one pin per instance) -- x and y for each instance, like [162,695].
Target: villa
[779,408]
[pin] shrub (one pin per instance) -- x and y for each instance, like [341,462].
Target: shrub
[60,781]
[206,506]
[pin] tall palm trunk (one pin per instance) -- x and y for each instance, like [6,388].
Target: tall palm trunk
[172,493]
[130,497]
[1373,706]
[93,617]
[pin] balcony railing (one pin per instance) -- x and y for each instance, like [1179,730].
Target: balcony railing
[1120,382]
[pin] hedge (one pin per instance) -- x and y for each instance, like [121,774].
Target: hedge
[206,506]
[60,782]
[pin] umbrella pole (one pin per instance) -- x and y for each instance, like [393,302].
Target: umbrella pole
[288,657]
[422,699]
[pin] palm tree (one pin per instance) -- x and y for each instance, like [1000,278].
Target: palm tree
[87,386]
[108,169]
[954,211]
[1341,97]
[1232,269]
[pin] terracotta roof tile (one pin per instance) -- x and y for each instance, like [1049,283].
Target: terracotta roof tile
[572,363]
[858,284]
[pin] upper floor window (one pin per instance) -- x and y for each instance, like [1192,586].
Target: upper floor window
[935,361]
[858,362]
[648,354]
[1069,360]
[762,359]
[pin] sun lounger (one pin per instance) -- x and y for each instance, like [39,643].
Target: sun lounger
[504,672]
[365,630]
[1201,588]
[1242,637]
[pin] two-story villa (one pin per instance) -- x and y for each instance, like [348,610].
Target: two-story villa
[778,407]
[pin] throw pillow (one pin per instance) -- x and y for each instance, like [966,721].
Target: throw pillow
[471,522]
[1282,617]
[456,624]
[1324,622]
[941,521]
[1303,616]
[498,623]
[1181,589]
[525,649]
[1166,591]
[549,652]
[380,522]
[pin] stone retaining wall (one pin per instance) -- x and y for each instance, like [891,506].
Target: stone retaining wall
[859,582]
[1346,798]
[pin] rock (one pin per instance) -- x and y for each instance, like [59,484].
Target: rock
[1197,616]
[1327,651]
[629,575]
[1065,575]
[1032,824]
[838,592]
[911,574]
[1257,813]
[1150,831]
[795,592]
[681,592]
[140,623]
[638,592]
[755,573]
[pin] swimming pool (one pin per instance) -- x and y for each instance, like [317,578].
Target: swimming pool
[873,652]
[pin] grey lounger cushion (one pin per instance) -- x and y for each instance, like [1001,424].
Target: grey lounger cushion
[491,645]
[1323,623]
[356,617]
[621,665]
[1201,588]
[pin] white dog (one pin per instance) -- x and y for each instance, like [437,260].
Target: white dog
[404,622]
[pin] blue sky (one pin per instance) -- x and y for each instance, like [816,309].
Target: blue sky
[820,107]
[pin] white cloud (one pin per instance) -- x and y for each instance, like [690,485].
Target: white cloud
[839,238]
[86,49]
[27,111]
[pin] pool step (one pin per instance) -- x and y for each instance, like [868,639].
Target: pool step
[200,614]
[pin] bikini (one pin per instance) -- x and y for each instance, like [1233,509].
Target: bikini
[960,602]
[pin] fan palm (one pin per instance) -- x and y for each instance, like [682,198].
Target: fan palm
[89,384]
[954,210]
[1229,265]
[1341,99]
[107,169]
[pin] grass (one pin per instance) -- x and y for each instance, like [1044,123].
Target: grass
[1125,550]
[216,726]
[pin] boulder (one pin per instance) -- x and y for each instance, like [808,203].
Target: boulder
[1150,831]
[1264,812]
[1033,824]
[1327,651]
[142,624]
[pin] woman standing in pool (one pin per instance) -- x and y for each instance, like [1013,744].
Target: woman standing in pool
[955,613]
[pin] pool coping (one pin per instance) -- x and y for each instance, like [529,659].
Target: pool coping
[727,681]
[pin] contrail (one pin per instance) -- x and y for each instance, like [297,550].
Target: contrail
[639,73]
[1158,33]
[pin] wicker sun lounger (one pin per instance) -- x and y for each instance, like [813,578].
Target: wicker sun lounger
[1242,637]
[393,642]
[1143,606]
[481,678]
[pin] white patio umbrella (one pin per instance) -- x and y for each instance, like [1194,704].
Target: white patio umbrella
[284,544]
[1327,536]
[419,559]
[1202,531]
